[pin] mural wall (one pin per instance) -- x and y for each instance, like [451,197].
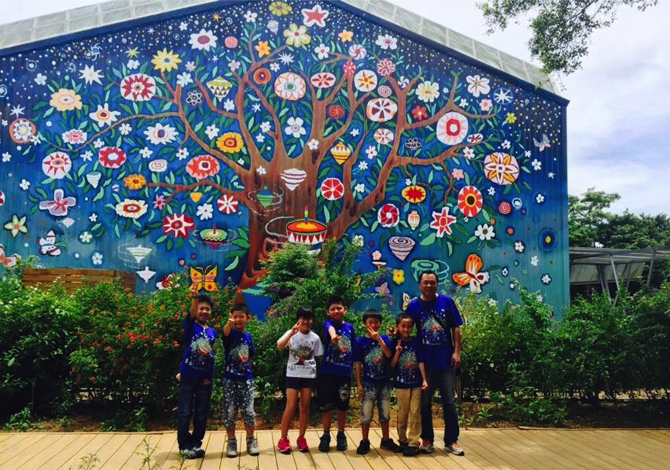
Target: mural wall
[207,140]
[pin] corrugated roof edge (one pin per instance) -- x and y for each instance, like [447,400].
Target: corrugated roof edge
[120,14]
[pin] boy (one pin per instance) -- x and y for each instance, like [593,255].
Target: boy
[195,376]
[372,351]
[336,366]
[238,384]
[410,379]
[304,346]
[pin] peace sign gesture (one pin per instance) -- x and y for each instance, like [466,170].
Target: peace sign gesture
[295,328]
[373,334]
[398,348]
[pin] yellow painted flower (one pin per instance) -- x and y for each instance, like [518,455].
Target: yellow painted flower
[166,61]
[297,35]
[398,276]
[230,142]
[346,36]
[65,100]
[511,118]
[263,48]
[135,181]
[280,8]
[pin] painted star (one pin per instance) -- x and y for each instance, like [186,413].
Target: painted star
[132,52]
[315,16]
[90,75]
[551,175]
[17,110]
[216,17]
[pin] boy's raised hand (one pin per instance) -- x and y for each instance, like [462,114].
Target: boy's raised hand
[373,334]
[193,290]
[398,348]
[296,327]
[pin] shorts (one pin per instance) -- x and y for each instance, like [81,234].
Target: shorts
[334,392]
[300,382]
[238,394]
[379,392]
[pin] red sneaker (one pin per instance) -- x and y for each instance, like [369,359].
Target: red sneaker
[284,446]
[302,444]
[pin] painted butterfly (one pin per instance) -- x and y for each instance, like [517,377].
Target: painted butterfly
[204,278]
[542,144]
[472,276]
[7,261]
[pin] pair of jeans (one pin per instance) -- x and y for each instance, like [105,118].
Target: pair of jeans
[445,382]
[194,400]
[379,392]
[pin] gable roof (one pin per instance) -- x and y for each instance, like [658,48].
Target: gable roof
[120,13]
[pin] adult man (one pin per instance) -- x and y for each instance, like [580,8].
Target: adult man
[437,320]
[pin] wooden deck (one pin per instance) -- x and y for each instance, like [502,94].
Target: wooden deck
[505,449]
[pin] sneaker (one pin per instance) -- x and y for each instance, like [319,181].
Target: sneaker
[388,444]
[252,446]
[426,447]
[302,444]
[188,454]
[284,446]
[403,444]
[410,451]
[454,448]
[363,447]
[341,441]
[231,449]
[324,444]
[199,452]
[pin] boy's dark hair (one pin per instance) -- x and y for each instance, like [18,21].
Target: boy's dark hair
[403,316]
[241,308]
[336,300]
[205,299]
[371,313]
[429,272]
[305,313]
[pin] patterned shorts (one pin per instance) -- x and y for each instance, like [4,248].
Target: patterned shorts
[238,394]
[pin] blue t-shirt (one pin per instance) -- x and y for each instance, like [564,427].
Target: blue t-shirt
[239,350]
[436,343]
[375,363]
[338,358]
[198,361]
[407,373]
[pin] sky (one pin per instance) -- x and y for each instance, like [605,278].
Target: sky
[619,112]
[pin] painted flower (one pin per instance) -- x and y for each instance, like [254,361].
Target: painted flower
[346,36]
[332,189]
[96,259]
[134,182]
[420,113]
[22,131]
[205,211]
[146,152]
[74,136]
[519,246]
[485,232]
[398,276]
[537,164]
[263,48]
[371,152]
[138,87]
[470,201]
[230,142]
[159,202]
[262,76]
[280,8]
[85,237]
[414,194]
[297,35]
[349,68]
[388,215]
[478,85]
[357,52]
[203,166]
[59,205]
[184,79]
[457,174]
[166,61]
[323,80]
[385,67]
[485,105]
[546,279]
[475,138]
[65,100]
[428,91]
[227,204]
[203,41]
[381,109]
[503,96]
[295,127]
[16,225]
[539,198]
[442,222]
[103,116]
[212,131]
[384,136]
[131,208]
[365,80]
[534,260]
[322,51]
[511,118]
[112,157]
[336,111]
[501,168]
[290,86]
[387,41]
[468,153]
[24,184]
[178,225]
[452,128]
[161,134]
[313,144]
[56,165]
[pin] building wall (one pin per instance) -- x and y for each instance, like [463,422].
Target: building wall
[204,140]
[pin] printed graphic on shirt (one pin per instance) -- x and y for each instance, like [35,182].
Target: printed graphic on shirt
[340,353]
[238,359]
[408,367]
[201,356]
[301,354]
[432,332]
[375,363]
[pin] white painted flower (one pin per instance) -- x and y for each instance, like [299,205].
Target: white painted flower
[161,134]
[260,138]
[265,126]
[96,258]
[537,164]
[468,153]
[362,166]
[190,66]
[485,105]
[492,191]
[90,75]
[99,143]
[240,161]
[371,152]
[355,132]
[506,144]
[250,16]
[528,153]
[203,41]
[205,211]
[322,51]
[463,103]
[274,66]
[478,85]
[359,188]
[93,217]
[146,152]
[41,79]
[133,64]
[103,116]
[24,184]
[125,129]
[387,41]
[428,91]
[85,237]
[212,132]
[87,156]
[256,107]
[403,82]
[519,247]
[182,154]
[493,302]
[485,232]
[539,198]
[535,260]
[313,144]
[295,127]
[261,171]
[229,105]
[6,157]
[546,279]
[358,241]
[183,26]
[234,65]
[184,79]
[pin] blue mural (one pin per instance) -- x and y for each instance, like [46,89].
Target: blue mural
[205,140]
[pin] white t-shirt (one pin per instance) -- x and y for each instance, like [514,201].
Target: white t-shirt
[303,350]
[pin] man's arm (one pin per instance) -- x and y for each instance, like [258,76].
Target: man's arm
[456,357]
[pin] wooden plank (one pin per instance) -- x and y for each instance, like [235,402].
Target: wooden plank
[284,461]
[118,459]
[529,452]
[230,463]
[424,461]
[53,452]
[658,436]
[302,460]
[626,441]
[320,459]
[90,447]
[247,462]
[162,448]
[604,456]
[142,451]
[31,449]
[340,460]
[12,441]
[213,445]
[623,450]
[65,452]
[472,444]
[103,447]
[557,450]
[267,460]
[374,459]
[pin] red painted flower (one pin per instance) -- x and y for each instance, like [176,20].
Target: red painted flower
[203,166]
[112,157]
[336,111]
[332,189]
[138,87]
[388,215]
[262,76]
[442,222]
[227,204]
[470,201]
[385,67]
[420,113]
[323,80]
[178,225]
[349,68]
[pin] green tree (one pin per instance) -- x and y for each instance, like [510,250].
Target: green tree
[587,215]
[630,230]
[561,28]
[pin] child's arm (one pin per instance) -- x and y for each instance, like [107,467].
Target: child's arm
[333,334]
[385,348]
[284,340]
[227,327]
[422,368]
[193,292]
[359,381]
[396,356]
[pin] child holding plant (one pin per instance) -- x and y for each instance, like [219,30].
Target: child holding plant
[304,346]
